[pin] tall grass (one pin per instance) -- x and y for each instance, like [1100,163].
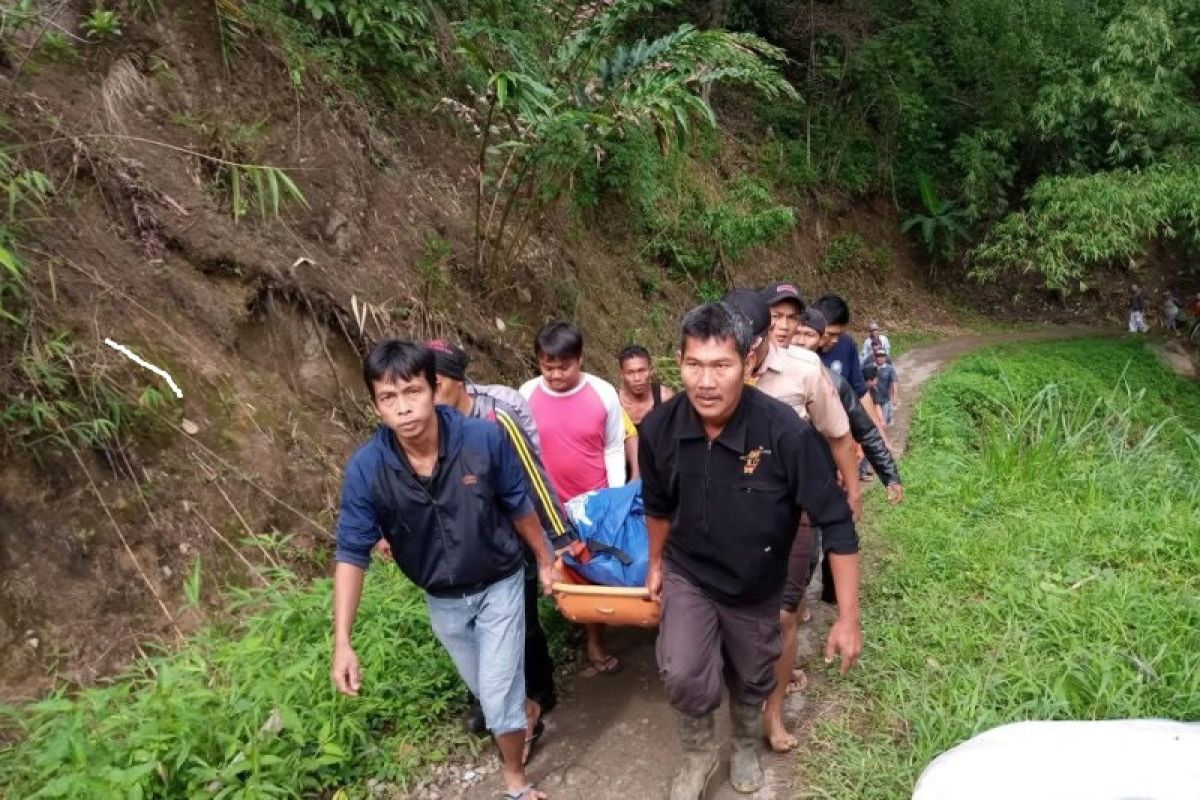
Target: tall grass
[1045,566]
[248,710]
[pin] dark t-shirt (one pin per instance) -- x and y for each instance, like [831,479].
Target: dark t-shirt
[842,358]
[886,376]
[734,502]
[1137,302]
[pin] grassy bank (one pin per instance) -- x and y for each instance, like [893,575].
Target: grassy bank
[1045,566]
[247,709]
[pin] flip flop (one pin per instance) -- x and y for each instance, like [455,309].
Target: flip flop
[523,793]
[609,665]
[531,741]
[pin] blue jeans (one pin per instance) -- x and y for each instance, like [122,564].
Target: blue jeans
[887,411]
[484,633]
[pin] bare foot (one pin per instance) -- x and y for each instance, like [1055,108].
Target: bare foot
[777,736]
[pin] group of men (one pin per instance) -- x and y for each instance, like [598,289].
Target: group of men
[463,486]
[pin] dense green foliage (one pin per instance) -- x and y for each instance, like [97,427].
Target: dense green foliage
[247,708]
[1044,565]
[1019,106]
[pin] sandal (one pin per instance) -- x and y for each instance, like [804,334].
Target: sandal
[532,739]
[526,792]
[609,665]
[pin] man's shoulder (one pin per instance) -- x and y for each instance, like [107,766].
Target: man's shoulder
[608,392]
[767,410]
[367,458]
[659,420]
[529,387]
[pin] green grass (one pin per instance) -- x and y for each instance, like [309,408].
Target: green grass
[247,709]
[1046,564]
[903,341]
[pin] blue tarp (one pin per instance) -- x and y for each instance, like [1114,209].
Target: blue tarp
[612,523]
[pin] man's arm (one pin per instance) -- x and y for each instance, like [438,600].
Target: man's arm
[357,532]
[545,499]
[529,528]
[614,433]
[347,589]
[817,492]
[830,419]
[658,528]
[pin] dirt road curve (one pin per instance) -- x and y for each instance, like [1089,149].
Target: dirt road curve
[612,737]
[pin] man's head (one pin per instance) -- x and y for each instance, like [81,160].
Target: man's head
[559,350]
[637,371]
[870,374]
[714,343]
[400,377]
[880,358]
[873,330]
[783,300]
[753,308]
[837,317]
[450,363]
[809,330]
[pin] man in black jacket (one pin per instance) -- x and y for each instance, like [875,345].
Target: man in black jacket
[448,494]
[726,473]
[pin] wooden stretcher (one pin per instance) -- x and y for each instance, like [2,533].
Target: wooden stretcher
[580,601]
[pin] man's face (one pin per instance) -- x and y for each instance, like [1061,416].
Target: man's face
[561,374]
[449,392]
[785,316]
[636,374]
[713,374]
[830,337]
[806,337]
[405,406]
[881,360]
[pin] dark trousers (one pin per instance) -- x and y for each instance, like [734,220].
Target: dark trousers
[801,561]
[539,667]
[701,641]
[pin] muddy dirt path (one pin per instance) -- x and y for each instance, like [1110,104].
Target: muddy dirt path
[612,737]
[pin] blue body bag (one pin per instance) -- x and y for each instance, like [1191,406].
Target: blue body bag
[612,525]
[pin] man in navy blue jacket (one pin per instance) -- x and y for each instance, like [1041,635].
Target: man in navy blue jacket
[448,494]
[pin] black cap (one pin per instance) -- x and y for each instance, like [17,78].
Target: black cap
[752,306]
[448,359]
[778,292]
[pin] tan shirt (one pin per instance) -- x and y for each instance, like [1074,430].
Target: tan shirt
[796,376]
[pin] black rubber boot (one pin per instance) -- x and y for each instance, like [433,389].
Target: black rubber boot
[698,735]
[744,771]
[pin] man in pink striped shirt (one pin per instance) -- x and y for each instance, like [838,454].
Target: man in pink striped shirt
[581,424]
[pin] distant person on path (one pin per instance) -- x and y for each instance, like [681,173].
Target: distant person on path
[454,390]
[449,495]
[887,385]
[1137,311]
[582,427]
[1170,311]
[726,473]
[874,342]
[639,391]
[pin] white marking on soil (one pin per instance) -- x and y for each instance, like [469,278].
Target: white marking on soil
[141,362]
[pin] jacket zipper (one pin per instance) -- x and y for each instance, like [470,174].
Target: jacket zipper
[707,490]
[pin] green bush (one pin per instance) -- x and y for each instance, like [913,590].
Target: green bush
[1043,566]
[247,708]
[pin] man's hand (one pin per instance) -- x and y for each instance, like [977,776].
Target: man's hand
[856,505]
[654,581]
[382,549]
[547,575]
[895,492]
[845,640]
[345,671]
